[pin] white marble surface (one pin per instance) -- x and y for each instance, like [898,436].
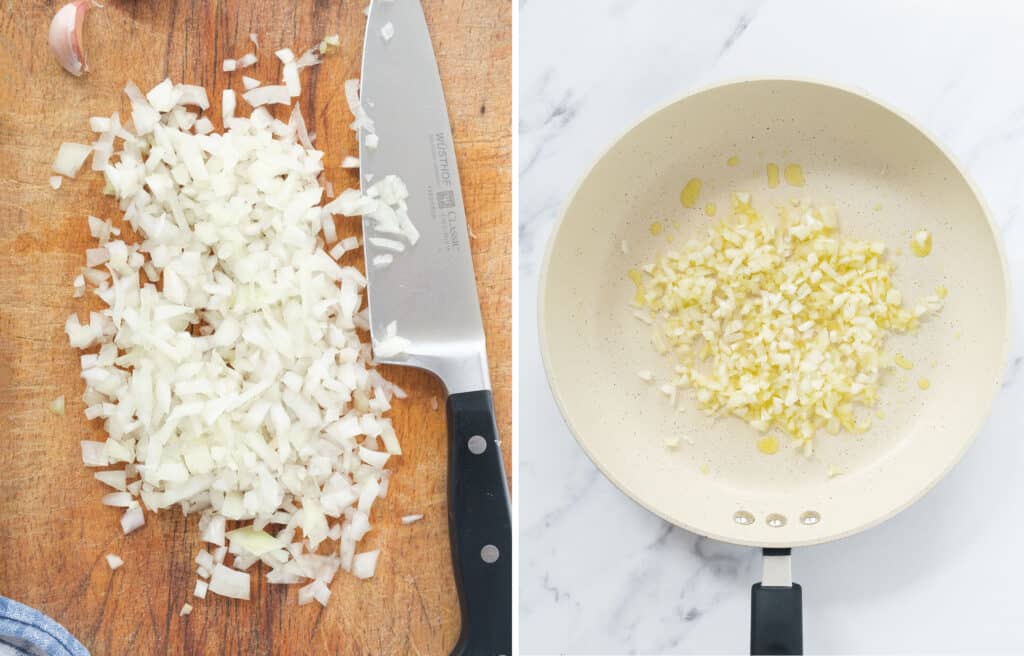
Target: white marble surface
[600,575]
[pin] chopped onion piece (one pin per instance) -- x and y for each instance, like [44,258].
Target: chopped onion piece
[306,595]
[290,77]
[227,106]
[218,554]
[96,256]
[70,158]
[203,125]
[55,182]
[132,519]
[373,458]
[230,65]
[186,609]
[269,95]
[163,97]
[249,82]
[338,250]
[387,244]
[204,560]
[329,43]
[200,589]
[114,561]
[191,94]
[229,583]
[79,285]
[253,541]
[144,116]
[365,564]
[355,105]
[330,230]
[214,531]
[390,346]
[57,405]
[118,500]
[115,478]
[307,59]
[410,519]
[247,60]
[321,592]
[94,454]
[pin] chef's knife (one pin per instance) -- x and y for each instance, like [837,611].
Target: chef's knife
[430,292]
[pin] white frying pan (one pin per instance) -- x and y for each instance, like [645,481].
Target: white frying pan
[887,179]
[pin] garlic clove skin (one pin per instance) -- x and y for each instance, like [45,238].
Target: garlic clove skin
[66,36]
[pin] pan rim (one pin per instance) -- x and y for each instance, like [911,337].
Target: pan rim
[984,409]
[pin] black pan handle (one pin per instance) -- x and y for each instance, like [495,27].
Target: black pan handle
[480,526]
[776,613]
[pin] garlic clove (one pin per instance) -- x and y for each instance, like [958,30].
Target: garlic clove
[66,36]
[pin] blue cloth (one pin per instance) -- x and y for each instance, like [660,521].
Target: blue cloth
[25,631]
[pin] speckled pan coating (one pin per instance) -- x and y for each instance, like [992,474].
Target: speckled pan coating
[856,154]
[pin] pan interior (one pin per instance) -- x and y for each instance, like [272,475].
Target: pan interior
[887,180]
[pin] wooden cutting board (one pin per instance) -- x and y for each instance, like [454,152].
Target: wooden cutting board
[53,530]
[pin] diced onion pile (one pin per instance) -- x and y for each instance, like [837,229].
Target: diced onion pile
[782,323]
[226,366]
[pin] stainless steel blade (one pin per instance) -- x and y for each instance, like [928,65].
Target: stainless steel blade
[429,289]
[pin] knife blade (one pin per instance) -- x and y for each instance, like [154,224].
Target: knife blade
[429,291]
[430,288]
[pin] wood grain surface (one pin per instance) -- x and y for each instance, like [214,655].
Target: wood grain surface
[53,530]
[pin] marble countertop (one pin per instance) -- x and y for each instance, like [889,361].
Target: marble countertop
[598,574]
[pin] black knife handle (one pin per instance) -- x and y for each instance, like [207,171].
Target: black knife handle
[480,526]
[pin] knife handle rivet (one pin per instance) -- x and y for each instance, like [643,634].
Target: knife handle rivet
[477,445]
[489,554]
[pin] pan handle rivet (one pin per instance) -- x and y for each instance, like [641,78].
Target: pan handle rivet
[743,517]
[477,445]
[776,520]
[489,554]
[810,518]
